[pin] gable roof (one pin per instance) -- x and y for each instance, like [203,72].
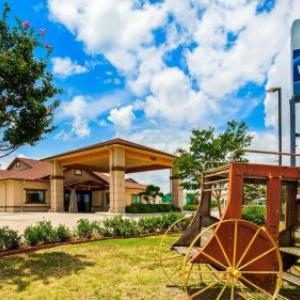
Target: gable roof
[116,141]
[39,170]
[36,170]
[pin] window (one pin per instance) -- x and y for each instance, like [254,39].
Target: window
[78,172]
[136,198]
[35,196]
[18,164]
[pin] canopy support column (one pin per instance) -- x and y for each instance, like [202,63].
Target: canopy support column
[117,180]
[57,187]
[176,190]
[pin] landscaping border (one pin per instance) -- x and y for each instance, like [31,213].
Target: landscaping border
[29,249]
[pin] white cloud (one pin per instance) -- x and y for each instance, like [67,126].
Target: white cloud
[201,91]
[82,110]
[64,67]
[122,117]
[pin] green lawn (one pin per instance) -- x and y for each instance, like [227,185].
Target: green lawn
[111,269]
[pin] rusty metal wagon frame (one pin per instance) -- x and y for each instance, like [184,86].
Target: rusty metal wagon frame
[239,258]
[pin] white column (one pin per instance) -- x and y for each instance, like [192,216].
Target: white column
[57,187]
[117,180]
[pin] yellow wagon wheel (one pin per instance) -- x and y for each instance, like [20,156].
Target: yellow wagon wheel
[242,261]
[170,260]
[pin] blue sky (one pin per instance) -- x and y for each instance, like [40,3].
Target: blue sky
[150,71]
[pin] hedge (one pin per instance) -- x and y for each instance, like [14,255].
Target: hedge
[190,207]
[118,226]
[150,208]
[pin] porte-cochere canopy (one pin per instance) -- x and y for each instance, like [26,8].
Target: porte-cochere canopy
[116,157]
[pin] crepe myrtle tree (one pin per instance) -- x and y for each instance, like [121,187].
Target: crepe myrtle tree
[207,145]
[26,87]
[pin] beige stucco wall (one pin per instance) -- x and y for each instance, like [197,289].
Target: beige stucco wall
[130,192]
[13,195]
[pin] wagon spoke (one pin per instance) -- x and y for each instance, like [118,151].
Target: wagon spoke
[232,290]
[234,244]
[204,289]
[257,258]
[222,249]
[213,259]
[189,274]
[222,291]
[256,286]
[248,247]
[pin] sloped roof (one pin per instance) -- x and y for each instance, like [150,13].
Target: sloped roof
[38,170]
[116,141]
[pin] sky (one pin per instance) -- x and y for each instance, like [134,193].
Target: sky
[152,70]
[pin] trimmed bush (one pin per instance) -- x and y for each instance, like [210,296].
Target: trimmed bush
[254,214]
[84,228]
[150,208]
[190,207]
[9,239]
[120,226]
[41,233]
[63,232]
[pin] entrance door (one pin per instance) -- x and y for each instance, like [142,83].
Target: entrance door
[84,201]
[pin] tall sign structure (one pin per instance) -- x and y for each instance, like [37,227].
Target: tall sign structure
[295,47]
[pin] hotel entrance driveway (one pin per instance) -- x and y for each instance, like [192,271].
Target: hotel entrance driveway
[19,221]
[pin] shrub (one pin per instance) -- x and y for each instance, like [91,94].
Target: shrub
[63,233]
[150,224]
[84,228]
[120,226]
[42,232]
[150,208]
[190,207]
[9,239]
[254,214]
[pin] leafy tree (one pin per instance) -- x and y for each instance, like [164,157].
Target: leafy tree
[26,87]
[151,193]
[254,193]
[205,146]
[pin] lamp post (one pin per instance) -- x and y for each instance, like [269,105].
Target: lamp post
[278,91]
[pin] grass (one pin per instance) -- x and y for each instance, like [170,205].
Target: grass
[111,269]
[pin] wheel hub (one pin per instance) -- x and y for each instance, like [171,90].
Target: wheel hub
[233,272]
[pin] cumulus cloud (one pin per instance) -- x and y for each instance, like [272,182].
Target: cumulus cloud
[82,110]
[226,45]
[122,117]
[64,67]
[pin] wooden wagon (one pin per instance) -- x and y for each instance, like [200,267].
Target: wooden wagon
[227,257]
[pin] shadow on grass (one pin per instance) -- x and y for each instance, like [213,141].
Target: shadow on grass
[291,293]
[21,271]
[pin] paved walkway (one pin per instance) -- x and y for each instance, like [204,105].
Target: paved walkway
[19,221]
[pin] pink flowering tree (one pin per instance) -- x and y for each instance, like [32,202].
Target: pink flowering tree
[27,92]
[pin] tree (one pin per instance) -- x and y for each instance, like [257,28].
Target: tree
[26,87]
[151,193]
[205,146]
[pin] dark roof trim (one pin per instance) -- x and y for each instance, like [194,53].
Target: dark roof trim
[116,141]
